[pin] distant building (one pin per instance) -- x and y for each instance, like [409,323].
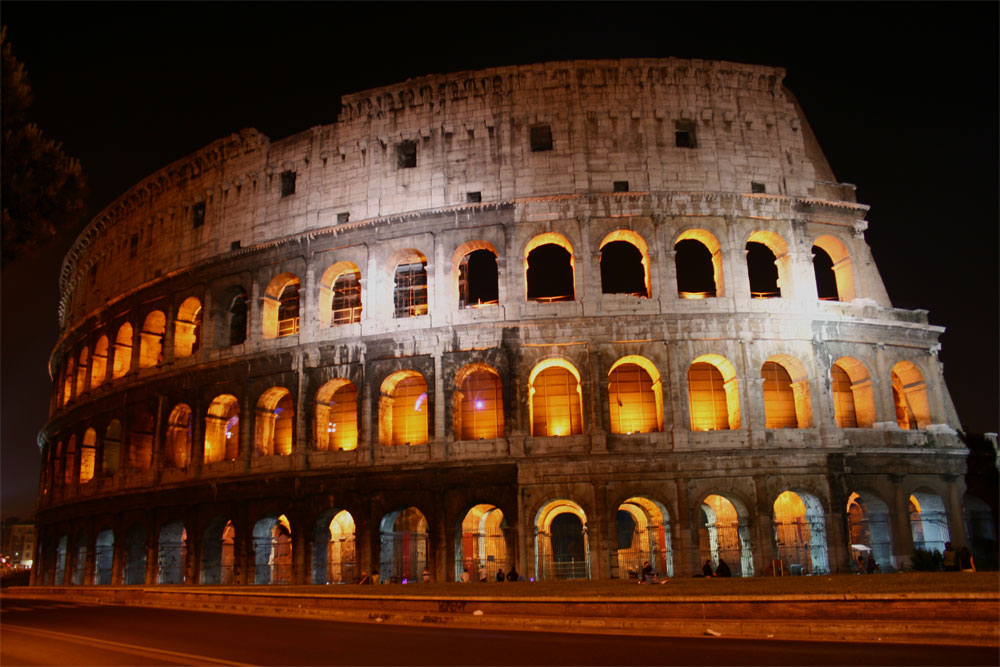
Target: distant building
[18,545]
[567,317]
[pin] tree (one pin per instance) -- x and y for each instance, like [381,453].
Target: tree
[43,189]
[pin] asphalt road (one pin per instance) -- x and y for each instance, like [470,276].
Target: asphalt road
[34,632]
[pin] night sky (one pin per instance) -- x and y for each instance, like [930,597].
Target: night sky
[902,96]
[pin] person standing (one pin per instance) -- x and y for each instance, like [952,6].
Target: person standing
[466,577]
[500,575]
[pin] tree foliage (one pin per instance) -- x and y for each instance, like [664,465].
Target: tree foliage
[43,189]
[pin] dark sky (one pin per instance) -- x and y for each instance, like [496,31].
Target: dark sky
[902,96]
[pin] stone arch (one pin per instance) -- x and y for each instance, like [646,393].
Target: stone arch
[171,558]
[334,548]
[800,533]
[222,429]
[635,396]
[403,409]
[477,403]
[637,281]
[272,548]
[555,398]
[404,543]
[280,307]
[853,396]
[763,249]
[559,268]
[231,317]
[151,339]
[88,455]
[123,351]
[909,396]
[840,267]
[218,552]
[475,278]
[79,557]
[724,534]
[274,423]
[180,433]
[340,294]
[82,368]
[869,528]
[643,535]
[928,521]
[410,293]
[69,462]
[141,433]
[787,402]
[134,555]
[187,328]
[62,550]
[562,549]
[69,372]
[337,416]
[99,363]
[481,543]
[111,448]
[104,552]
[713,394]
[698,258]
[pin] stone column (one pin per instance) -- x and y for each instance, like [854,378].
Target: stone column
[902,532]
[766,549]
[953,506]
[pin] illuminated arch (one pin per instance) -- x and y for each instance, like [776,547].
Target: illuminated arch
[337,416]
[635,239]
[218,552]
[222,429]
[869,525]
[88,455]
[725,535]
[151,339]
[782,262]
[273,423]
[179,437]
[555,398]
[562,549]
[928,521]
[280,306]
[909,395]
[477,403]
[635,396]
[842,270]
[853,396]
[714,249]
[465,286]
[403,409]
[410,292]
[713,394]
[340,294]
[480,543]
[272,549]
[81,371]
[403,539]
[123,351]
[787,402]
[800,533]
[99,363]
[334,550]
[187,328]
[548,238]
[643,534]
[69,373]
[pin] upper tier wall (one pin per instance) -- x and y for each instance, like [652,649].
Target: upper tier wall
[609,120]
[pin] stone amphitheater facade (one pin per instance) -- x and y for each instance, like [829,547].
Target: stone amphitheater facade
[490,320]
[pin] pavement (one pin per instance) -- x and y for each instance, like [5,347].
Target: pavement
[939,617]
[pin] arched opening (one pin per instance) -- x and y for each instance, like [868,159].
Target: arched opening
[142,425]
[787,402]
[111,448]
[273,423]
[403,554]
[698,260]
[272,548]
[104,553]
[403,409]
[88,455]
[909,395]
[179,437]
[62,547]
[625,264]
[232,321]
[337,416]
[340,294]
[172,554]
[478,283]
[99,364]
[69,462]
[409,296]
[151,339]
[134,570]
[67,393]
[187,328]
[800,534]
[123,351]
[713,394]
[928,521]
[218,550]
[280,307]
[981,531]
[635,395]
[767,255]
[335,555]
[643,532]
[549,267]
[81,371]
[834,274]
[724,536]
[79,560]
[478,403]
[556,399]
[853,398]
[480,544]
[869,529]
[222,429]
[562,550]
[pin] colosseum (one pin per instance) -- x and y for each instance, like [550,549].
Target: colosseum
[562,318]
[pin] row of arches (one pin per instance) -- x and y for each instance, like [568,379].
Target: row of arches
[554,401]
[485,543]
[549,276]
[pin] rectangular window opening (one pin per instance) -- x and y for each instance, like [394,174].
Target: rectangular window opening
[287,183]
[473,197]
[621,186]
[541,138]
[343,217]
[198,214]
[684,134]
[235,245]
[406,155]
[757,188]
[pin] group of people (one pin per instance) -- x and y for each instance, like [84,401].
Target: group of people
[651,576]
[721,571]
[957,561]
[484,575]
[867,567]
